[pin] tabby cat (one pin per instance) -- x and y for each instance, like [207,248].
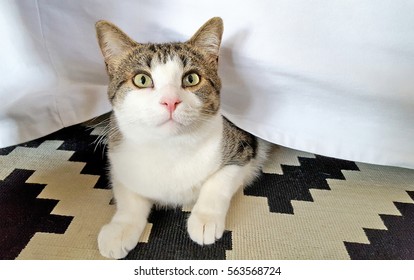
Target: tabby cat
[169,145]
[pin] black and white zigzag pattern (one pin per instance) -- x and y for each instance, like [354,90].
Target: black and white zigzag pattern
[39,210]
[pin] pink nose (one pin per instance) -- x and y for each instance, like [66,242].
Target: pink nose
[170,103]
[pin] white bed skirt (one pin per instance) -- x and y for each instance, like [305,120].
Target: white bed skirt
[334,78]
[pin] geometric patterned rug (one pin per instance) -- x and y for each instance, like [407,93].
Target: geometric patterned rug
[54,198]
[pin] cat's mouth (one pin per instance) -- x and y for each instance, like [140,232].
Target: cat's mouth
[176,124]
[170,122]
[177,119]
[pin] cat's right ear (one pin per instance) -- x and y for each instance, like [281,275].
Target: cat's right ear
[112,41]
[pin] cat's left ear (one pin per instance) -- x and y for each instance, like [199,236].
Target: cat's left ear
[112,41]
[208,37]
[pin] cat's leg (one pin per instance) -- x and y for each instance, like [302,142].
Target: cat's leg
[208,216]
[121,235]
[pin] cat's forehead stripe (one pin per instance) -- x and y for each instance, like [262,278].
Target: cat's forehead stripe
[148,55]
[163,52]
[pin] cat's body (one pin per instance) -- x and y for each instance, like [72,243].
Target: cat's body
[169,144]
[175,169]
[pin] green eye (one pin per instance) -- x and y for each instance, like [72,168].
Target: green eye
[191,80]
[143,81]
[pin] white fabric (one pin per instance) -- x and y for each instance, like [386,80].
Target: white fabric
[329,77]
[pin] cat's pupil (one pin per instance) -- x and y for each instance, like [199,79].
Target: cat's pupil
[143,80]
[190,79]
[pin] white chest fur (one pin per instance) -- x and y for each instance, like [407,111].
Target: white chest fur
[169,171]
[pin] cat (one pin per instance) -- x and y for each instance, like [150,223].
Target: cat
[169,144]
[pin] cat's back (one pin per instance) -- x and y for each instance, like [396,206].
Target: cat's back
[239,146]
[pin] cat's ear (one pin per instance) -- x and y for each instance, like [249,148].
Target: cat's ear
[112,41]
[208,37]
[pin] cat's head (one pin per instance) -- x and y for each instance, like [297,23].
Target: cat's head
[164,89]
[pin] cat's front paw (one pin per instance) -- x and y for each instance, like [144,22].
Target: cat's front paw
[205,229]
[116,239]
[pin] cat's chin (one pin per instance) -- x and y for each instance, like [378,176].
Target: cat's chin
[162,130]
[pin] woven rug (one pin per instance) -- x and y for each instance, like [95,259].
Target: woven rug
[54,198]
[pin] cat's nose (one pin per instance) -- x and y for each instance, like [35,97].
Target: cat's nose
[170,103]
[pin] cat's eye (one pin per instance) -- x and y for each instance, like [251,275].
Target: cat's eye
[191,80]
[143,81]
